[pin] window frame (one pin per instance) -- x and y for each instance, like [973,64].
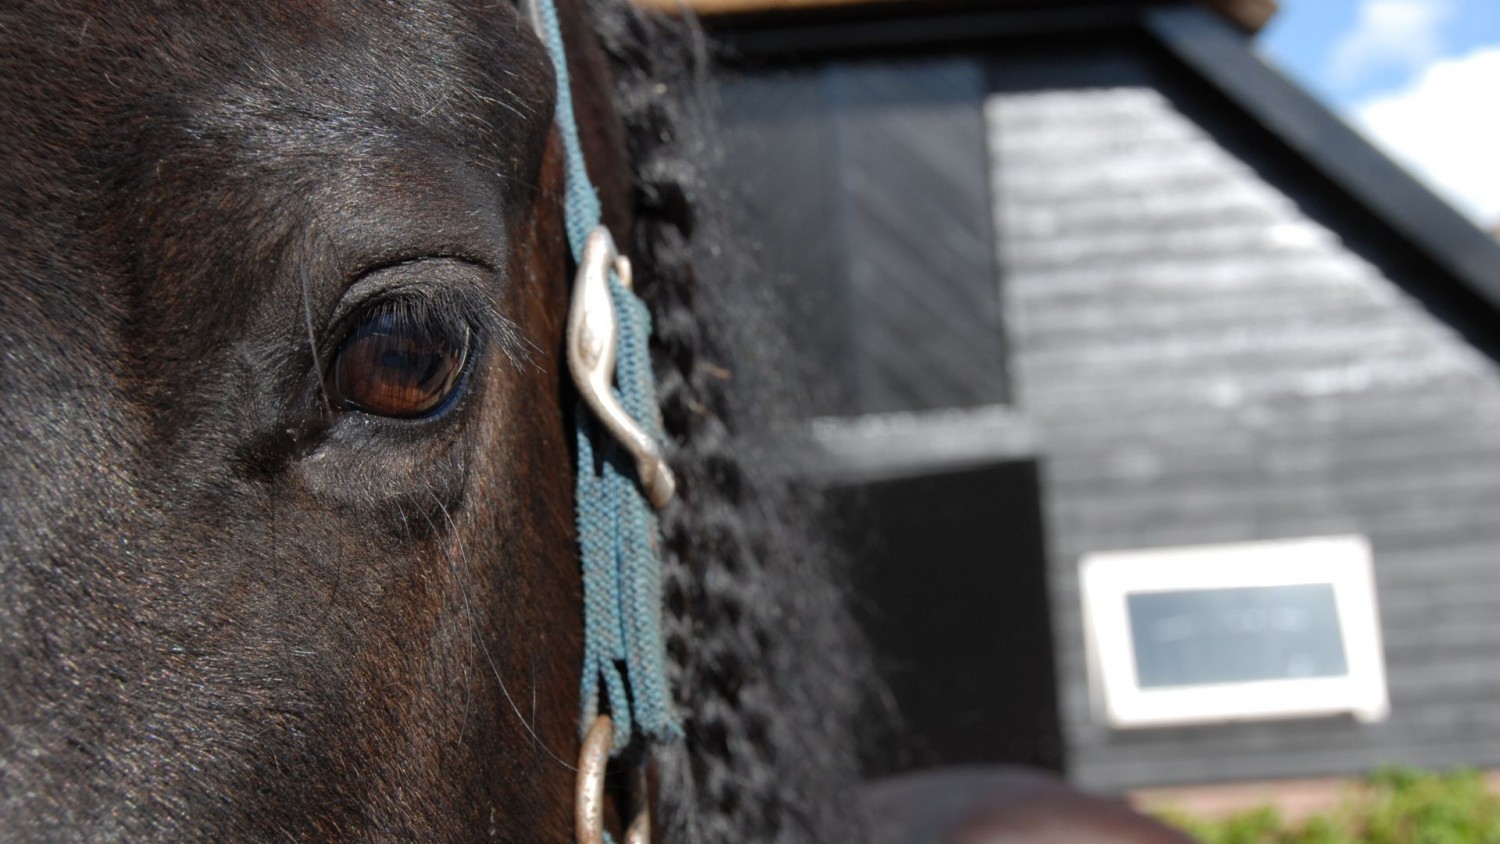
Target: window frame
[1344,562]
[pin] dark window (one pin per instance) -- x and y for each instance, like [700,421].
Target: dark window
[1240,635]
[866,185]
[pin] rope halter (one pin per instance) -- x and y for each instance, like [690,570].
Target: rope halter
[624,662]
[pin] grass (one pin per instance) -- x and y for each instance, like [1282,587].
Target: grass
[1392,806]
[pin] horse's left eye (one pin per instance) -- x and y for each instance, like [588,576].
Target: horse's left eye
[397,364]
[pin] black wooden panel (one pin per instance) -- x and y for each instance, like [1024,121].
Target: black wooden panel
[865,184]
[780,146]
[950,590]
[919,251]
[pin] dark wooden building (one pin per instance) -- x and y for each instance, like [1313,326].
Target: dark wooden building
[1077,277]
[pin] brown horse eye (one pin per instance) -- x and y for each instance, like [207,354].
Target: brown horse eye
[398,367]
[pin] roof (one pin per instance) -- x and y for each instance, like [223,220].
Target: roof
[1212,46]
[1307,128]
[1248,15]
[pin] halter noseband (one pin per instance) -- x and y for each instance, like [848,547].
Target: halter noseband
[608,330]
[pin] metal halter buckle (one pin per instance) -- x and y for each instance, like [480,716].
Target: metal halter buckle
[532,14]
[593,331]
[593,759]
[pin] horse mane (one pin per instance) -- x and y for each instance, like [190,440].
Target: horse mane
[769,671]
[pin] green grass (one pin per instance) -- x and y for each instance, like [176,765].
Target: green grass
[1393,806]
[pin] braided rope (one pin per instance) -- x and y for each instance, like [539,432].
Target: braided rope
[617,530]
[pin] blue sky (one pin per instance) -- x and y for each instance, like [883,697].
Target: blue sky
[1420,77]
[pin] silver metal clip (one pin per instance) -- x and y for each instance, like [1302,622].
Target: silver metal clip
[588,799]
[533,15]
[593,759]
[593,332]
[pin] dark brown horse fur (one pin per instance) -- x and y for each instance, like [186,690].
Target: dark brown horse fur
[229,611]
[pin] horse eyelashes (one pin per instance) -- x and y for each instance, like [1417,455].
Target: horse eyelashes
[400,361]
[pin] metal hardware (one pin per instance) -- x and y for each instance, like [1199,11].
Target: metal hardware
[533,15]
[593,760]
[640,830]
[593,331]
[640,796]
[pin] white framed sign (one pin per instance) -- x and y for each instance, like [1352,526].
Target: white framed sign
[1247,631]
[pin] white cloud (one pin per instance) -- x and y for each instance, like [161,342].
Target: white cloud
[1445,127]
[1400,34]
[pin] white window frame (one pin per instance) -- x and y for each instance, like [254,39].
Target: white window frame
[1107,579]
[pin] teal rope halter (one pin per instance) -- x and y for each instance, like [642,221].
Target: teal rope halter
[624,651]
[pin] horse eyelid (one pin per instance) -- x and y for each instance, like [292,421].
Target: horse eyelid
[460,289]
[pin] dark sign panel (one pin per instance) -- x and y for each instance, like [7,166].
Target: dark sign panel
[1237,635]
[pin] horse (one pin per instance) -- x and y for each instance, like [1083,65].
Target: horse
[260,584]
[288,548]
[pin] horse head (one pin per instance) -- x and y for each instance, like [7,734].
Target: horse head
[288,544]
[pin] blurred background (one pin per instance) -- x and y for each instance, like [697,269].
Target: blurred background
[1146,352]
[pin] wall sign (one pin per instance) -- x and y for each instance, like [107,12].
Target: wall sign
[1248,631]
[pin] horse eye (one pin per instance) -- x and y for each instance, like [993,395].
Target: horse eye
[396,365]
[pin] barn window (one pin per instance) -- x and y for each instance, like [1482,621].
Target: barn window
[1234,632]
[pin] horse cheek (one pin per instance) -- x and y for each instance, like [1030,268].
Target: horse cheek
[528,570]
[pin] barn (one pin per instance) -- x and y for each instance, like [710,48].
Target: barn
[1082,293]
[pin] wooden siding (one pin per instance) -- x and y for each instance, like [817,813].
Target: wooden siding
[863,181]
[1211,353]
